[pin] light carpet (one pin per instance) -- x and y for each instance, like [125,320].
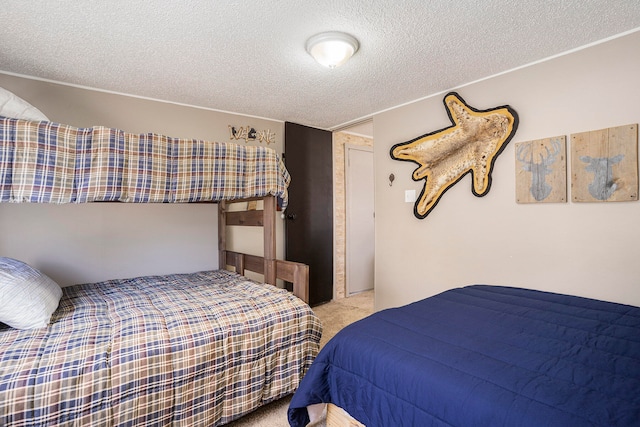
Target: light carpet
[334,316]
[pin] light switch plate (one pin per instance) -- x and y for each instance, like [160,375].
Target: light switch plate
[409,196]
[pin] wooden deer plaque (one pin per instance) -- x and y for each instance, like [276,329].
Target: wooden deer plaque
[541,171]
[604,165]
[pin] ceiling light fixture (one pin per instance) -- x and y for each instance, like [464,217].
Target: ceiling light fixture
[332,48]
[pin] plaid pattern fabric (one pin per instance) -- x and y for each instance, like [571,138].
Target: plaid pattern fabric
[46,162]
[196,349]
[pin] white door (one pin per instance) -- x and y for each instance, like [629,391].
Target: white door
[360,219]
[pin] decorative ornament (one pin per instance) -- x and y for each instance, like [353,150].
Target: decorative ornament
[604,165]
[471,144]
[251,134]
[541,171]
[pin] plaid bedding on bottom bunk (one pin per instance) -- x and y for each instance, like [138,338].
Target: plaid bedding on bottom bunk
[47,162]
[195,349]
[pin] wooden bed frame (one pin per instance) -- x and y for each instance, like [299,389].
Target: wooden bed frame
[338,417]
[268,265]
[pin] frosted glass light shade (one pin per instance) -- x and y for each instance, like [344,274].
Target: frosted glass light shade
[332,49]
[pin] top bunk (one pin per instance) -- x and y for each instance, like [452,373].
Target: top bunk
[48,162]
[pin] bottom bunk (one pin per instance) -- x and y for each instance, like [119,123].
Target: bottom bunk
[198,349]
[481,356]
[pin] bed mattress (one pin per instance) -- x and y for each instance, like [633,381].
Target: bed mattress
[483,356]
[48,162]
[196,349]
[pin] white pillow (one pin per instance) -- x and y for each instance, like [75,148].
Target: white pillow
[17,108]
[28,298]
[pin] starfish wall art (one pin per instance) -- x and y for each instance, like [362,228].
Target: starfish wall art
[471,144]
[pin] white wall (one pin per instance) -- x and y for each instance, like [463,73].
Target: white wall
[93,242]
[588,249]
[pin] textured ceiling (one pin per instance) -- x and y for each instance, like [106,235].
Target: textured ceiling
[248,56]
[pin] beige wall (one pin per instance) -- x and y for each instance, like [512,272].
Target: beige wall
[85,243]
[588,249]
[340,139]
[584,249]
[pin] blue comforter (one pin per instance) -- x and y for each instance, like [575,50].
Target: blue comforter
[483,356]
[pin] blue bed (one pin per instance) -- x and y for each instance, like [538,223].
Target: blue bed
[483,356]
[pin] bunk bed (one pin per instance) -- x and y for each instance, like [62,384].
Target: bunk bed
[201,348]
[481,356]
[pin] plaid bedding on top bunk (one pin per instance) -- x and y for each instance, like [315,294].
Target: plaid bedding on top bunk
[48,162]
[196,349]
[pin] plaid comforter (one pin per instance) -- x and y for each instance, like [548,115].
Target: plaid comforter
[48,162]
[196,349]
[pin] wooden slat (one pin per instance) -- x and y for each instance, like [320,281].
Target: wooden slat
[270,240]
[248,199]
[246,218]
[238,262]
[222,235]
[254,263]
[298,274]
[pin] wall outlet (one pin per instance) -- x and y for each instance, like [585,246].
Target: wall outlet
[409,196]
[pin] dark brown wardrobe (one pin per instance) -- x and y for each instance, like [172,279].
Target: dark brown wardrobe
[309,216]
